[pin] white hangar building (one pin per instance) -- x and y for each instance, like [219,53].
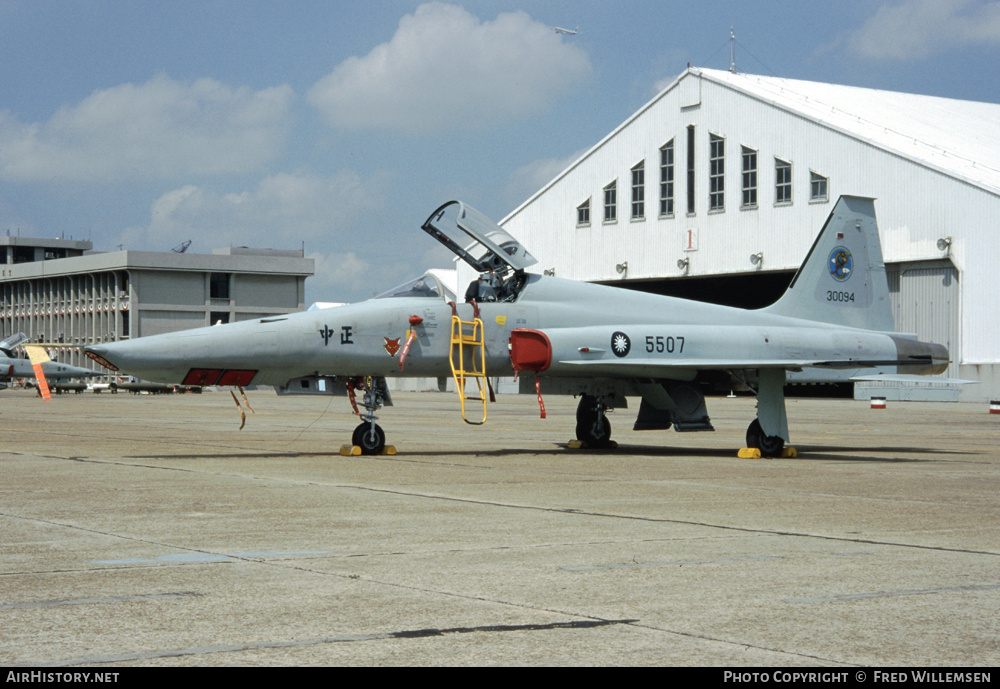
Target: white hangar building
[718,186]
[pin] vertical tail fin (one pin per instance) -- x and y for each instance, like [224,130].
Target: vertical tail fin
[842,280]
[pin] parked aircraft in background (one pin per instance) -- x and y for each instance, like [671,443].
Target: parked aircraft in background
[602,343]
[12,366]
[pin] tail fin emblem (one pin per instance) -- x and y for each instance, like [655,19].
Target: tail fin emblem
[841,264]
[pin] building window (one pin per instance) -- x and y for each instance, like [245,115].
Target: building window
[818,187]
[217,317]
[749,178]
[639,191]
[690,169]
[219,286]
[583,214]
[611,202]
[782,181]
[667,179]
[716,173]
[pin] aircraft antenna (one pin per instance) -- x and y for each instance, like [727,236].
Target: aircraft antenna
[732,50]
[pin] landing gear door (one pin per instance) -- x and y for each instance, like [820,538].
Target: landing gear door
[476,239]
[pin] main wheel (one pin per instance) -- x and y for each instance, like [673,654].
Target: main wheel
[370,438]
[593,434]
[769,445]
[592,426]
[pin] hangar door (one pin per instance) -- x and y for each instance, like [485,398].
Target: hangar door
[925,301]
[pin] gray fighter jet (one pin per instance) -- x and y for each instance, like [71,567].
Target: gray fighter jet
[604,344]
[12,366]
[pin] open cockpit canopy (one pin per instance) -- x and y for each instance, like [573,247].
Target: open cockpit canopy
[476,239]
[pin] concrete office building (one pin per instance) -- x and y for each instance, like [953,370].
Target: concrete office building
[58,291]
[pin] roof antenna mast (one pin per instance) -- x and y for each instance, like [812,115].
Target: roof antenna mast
[732,50]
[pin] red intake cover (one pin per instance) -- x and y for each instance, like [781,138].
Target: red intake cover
[530,350]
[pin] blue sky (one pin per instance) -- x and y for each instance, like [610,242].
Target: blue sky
[337,127]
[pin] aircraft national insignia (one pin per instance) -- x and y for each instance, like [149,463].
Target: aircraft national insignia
[841,264]
[620,344]
[391,346]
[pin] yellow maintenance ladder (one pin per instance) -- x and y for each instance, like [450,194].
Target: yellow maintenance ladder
[468,358]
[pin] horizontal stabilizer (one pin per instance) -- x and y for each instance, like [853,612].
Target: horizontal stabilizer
[904,378]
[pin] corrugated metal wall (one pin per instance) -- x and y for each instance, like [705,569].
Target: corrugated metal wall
[926,299]
[927,302]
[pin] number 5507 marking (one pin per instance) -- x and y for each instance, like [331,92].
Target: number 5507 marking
[660,344]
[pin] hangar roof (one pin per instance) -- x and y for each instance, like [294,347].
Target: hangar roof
[957,137]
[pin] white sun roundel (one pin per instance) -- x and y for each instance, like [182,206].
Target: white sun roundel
[620,344]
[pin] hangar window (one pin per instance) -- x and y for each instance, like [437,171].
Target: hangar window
[782,182]
[611,202]
[639,191]
[818,187]
[583,214]
[690,169]
[667,179]
[716,173]
[749,178]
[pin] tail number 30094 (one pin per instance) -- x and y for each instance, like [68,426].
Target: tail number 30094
[660,344]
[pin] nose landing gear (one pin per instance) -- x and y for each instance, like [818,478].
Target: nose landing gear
[368,438]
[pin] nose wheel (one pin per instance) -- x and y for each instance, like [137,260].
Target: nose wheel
[370,437]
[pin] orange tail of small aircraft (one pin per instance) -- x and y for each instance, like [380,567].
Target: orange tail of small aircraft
[38,356]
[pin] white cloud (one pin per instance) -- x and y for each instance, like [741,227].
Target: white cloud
[528,179]
[917,29]
[335,271]
[444,69]
[283,211]
[154,130]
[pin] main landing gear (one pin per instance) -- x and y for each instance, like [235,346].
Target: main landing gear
[770,415]
[769,445]
[592,426]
